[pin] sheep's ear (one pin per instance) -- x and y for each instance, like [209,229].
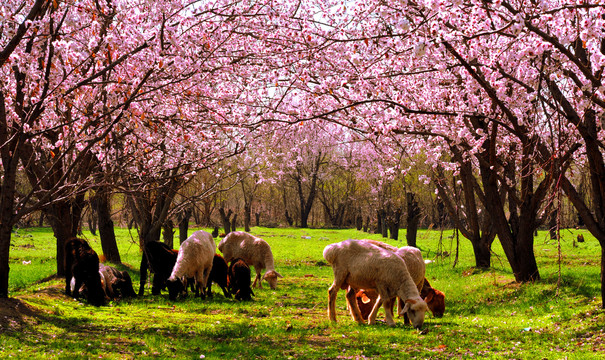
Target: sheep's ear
[410,301]
[429,296]
[365,299]
[279,275]
[405,309]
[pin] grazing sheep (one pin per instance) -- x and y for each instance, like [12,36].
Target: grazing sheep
[82,263]
[117,284]
[239,280]
[219,275]
[434,298]
[416,266]
[361,265]
[366,298]
[194,260]
[254,251]
[158,258]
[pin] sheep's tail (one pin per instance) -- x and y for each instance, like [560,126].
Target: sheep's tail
[330,253]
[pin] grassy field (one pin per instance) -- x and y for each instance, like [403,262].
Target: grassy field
[487,314]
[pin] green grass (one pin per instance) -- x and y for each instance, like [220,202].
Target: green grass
[487,314]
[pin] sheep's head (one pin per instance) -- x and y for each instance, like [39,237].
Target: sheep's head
[175,288]
[365,301]
[271,277]
[415,308]
[435,300]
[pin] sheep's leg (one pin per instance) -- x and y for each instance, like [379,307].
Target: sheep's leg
[353,307]
[258,280]
[400,306]
[332,292]
[374,312]
[75,292]
[388,309]
[225,292]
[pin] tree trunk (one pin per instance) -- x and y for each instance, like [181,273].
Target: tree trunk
[41,219]
[384,228]
[7,201]
[394,221]
[168,233]
[226,219]
[184,225]
[5,242]
[92,223]
[257,218]
[247,216]
[234,223]
[107,234]
[482,250]
[60,218]
[413,219]
[289,219]
[77,207]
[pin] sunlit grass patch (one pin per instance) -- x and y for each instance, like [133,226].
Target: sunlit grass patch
[487,315]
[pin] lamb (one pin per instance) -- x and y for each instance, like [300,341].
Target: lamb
[219,275]
[239,280]
[193,260]
[361,265]
[116,283]
[434,298]
[254,251]
[82,263]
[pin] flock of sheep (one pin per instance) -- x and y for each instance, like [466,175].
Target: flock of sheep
[373,273]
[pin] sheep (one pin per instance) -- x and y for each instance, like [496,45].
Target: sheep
[82,263]
[434,298]
[415,264]
[116,283]
[254,251]
[193,260]
[361,265]
[159,258]
[219,275]
[239,280]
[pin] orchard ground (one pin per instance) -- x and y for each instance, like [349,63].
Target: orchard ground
[487,315]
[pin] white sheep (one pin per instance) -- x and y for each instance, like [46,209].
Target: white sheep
[411,256]
[254,251]
[361,265]
[416,266]
[193,260]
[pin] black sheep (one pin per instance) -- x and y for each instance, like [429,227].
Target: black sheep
[239,280]
[218,274]
[159,258]
[82,263]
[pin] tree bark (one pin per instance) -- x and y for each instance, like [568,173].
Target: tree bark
[60,218]
[394,221]
[226,219]
[76,214]
[168,233]
[184,225]
[109,245]
[413,219]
